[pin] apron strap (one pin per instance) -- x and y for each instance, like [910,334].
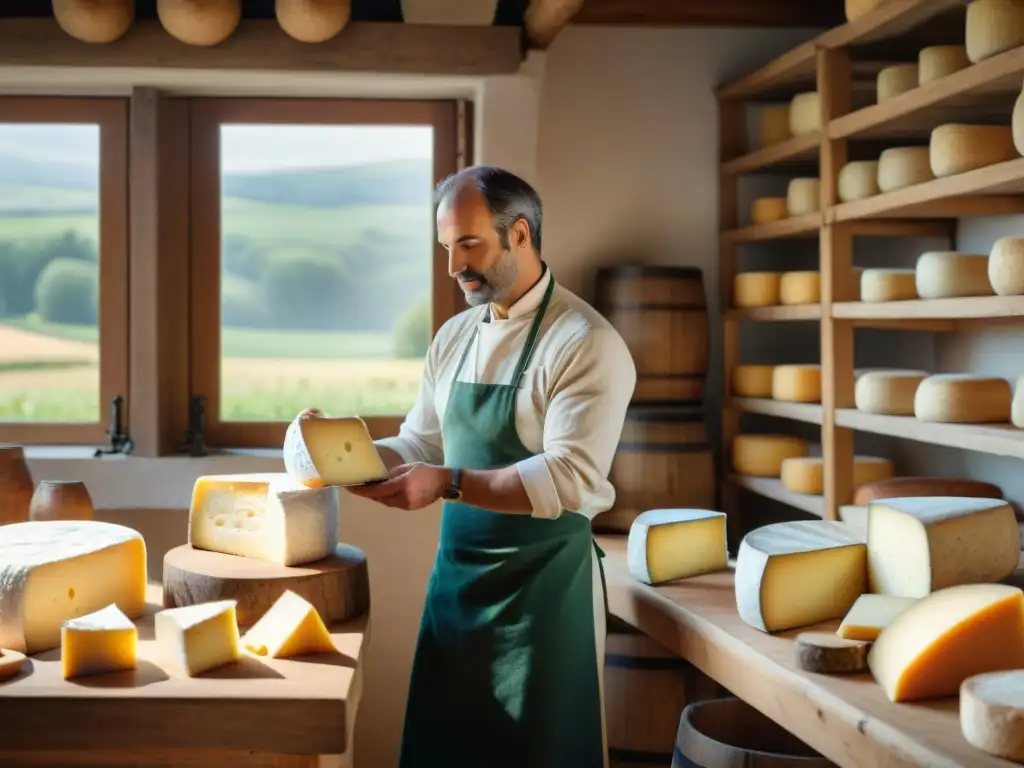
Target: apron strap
[531,340]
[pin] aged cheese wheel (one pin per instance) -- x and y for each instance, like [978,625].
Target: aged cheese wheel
[767,209]
[762,455]
[887,392]
[94,21]
[797,383]
[904,487]
[803,287]
[828,654]
[803,196]
[900,167]
[1017,409]
[963,398]
[752,380]
[773,125]
[805,113]
[806,474]
[756,289]
[894,80]
[993,26]
[992,713]
[956,148]
[888,284]
[857,8]
[199,22]
[951,274]
[938,61]
[858,180]
[312,21]
[1006,266]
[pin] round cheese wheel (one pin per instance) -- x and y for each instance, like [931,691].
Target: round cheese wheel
[888,285]
[938,61]
[894,80]
[825,653]
[756,289]
[797,383]
[900,167]
[858,180]
[993,26]
[1006,266]
[312,21]
[963,398]
[1017,408]
[805,113]
[803,196]
[802,287]
[773,125]
[752,380]
[762,455]
[94,21]
[992,713]
[768,209]
[806,474]
[951,274]
[903,487]
[958,148]
[890,392]
[857,8]
[199,22]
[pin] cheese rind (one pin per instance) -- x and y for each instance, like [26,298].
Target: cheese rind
[805,113]
[57,570]
[100,643]
[198,638]
[324,450]
[938,61]
[802,287]
[762,455]
[292,627]
[894,80]
[797,383]
[900,167]
[803,196]
[752,380]
[828,654]
[887,392]
[669,544]
[857,180]
[888,285]
[806,474]
[993,26]
[956,148]
[1006,266]
[906,487]
[765,210]
[773,125]
[871,614]
[756,289]
[952,274]
[963,398]
[992,713]
[1017,407]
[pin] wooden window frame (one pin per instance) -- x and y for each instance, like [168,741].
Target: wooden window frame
[111,114]
[207,115]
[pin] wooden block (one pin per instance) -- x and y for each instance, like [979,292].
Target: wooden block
[830,654]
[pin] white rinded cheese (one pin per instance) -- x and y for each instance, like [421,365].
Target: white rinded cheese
[956,148]
[767,209]
[797,383]
[1017,408]
[762,455]
[669,544]
[756,289]
[894,80]
[963,398]
[1006,266]
[56,570]
[794,574]
[888,285]
[992,713]
[97,644]
[805,113]
[806,474]
[773,125]
[921,544]
[938,61]
[951,274]
[858,180]
[993,26]
[264,516]
[900,167]
[857,8]
[803,196]
[890,392]
[871,614]
[324,450]
[292,627]
[752,380]
[198,638]
[802,287]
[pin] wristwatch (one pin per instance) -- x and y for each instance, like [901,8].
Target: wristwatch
[453,491]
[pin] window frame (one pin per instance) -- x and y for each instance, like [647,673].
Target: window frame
[112,117]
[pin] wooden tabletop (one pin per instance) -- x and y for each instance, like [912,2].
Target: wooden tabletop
[290,706]
[847,718]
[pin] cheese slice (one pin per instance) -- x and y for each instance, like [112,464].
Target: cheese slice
[950,635]
[323,450]
[103,642]
[669,544]
[264,516]
[992,713]
[922,544]
[794,574]
[57,570]
[198,638]
[292,627]
[871,614]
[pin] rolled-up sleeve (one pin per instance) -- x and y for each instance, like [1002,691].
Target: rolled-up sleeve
[419,437]
[593,385]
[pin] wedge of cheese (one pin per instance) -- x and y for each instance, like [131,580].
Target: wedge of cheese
[103,642]
[669,544]
[292,627]
[323,450]
[57,570]
[870,615]
[198,638]
[264,516]
[794,574]
[921,544]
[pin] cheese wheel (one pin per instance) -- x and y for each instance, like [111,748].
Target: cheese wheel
[887,392]
[956,148]
[797,383]
[803,196]
[312,21]
[756,289]
[762,455]
[1017,124]
[94,21]
[901,167]
[938,61]
[992,713]
[1017,408]
[752,380]
[199,22]
[951,274]
[857,8]
[894,80]
[888,285]
[805,113]
[828,654]
[1006,266]
[806,474]
[993,26]
[963,398]
[907,487]
[802,287]
[768,209]
[858,180]
[773,125]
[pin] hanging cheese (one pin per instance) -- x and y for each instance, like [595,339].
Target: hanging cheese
[1017,407]
[938,61]
[901,167]
[331,450]
[773,125]
[797,383]
[99,643]
[768,209]
[762,455]
[756,289]
[292,627]
[993,26]
[963,398]
[795,574]
[752,380]
[951,274]
[803,287]
[312,21]
[803,196]
[198,638]
[871,614]
[94,21]
[903,487]
[958,148]
[919,545]
[1006,266]
[806,474]
[857,8]
[890,392]
[805,114]
[199,22]
[992,713]
[888,285]
[894,80]
[670,544]
[858,180]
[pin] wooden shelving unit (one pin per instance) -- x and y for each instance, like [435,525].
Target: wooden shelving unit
[840,63]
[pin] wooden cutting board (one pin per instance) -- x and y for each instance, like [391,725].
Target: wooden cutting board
[338,586]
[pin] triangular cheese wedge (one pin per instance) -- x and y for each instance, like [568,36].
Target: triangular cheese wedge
[99,643]
[292,627]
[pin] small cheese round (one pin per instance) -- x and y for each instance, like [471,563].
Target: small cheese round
[858,180]
[762,455]
[951,274]
[752,380]
[938,61]
[956,148]
[888,284]
[993,26]
[803,196]
[803,287]
[1006,266]
[894,80]
[797,383]
[756,289]
[768,209]
[900,167]
[825,653]
[773,125]
[806,474]
[992,713]
[805,113]
[890,392]
[312,21]
[1017,408]
[199,22]
[963,398]
[94,21]
[857,8]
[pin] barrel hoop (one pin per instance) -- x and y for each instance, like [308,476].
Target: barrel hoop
[673,376]
[664,447]
[644,306]
[679,760]
[648,270]
[640,758]
[623,661]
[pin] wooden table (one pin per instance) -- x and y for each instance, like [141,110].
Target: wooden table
[285,713]
[846,718]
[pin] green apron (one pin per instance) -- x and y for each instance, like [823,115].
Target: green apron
[505,672]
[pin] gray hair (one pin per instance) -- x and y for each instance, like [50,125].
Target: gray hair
[508,197]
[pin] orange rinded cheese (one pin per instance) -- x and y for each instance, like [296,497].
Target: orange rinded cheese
[756,289]
[762,455]
[806,474]
[752,380]
[797,383]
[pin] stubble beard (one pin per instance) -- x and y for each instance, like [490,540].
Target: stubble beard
[497,281]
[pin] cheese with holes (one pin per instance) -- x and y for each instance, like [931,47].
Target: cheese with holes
[669,544]
[993,26]
[752,380]
[890,392]
[900,167]
[762,455]
[951,274]
[198,638]
[958,148]
[938,61]
[773,125]
[99,643]
[803,196]
[902,487]
[858,180]
[803,287]
[797,383]
[871,614]
[322,450]
[963,398]
[888,285]
[794,574]
[805,113]
[756,289]
[768,209]
[992,713]
[56,570]
[933,646]
[292,627]
[857,8]
[921,544]
[806,474]
[894,80]
[1017,407]
[1006,266]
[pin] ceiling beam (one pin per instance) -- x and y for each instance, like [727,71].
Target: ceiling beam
[712,13]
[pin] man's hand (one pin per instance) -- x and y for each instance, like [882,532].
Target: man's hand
[410,486]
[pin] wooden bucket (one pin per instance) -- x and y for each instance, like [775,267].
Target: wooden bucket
[662,314]
[646,686]
[15,485]
[729,733]
[663,460]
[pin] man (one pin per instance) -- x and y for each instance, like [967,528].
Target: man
[520,412]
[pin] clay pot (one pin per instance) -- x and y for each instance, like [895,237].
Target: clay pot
[61,500]
[15,485]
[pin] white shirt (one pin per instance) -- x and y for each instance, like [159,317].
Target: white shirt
[570,407]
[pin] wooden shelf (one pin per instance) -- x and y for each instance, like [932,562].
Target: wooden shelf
[805,412]
[994,439]
[795,226]
[972,308]
[772,488]
[797,312]
[797,151]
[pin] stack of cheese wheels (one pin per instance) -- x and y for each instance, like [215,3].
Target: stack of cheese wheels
[762,455]
[803,287]
[797,383]
[765,210]
[897,79]
[200,22]
[957,148]
[94,22]
[313,21]
[857,180]
[806,474]
[963,398]
[952,274]
[1006,266]
[889,392]
[773,125]
[888,285]
[803,196]
[1017,409]
[938,61]
[805,113]
[993,26]
[752,380]
[756,289]
[900,167]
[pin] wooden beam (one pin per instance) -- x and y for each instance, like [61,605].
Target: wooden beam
[544,19]
[723,13]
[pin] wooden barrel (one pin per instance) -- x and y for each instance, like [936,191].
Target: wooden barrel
[729,733]
[646,686]
[16,486]
[662,314]
[663,460]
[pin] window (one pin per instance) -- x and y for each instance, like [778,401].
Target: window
[63,267]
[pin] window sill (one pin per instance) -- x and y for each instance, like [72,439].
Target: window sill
[87,453]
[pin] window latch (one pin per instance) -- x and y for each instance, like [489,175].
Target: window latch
[118,441]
